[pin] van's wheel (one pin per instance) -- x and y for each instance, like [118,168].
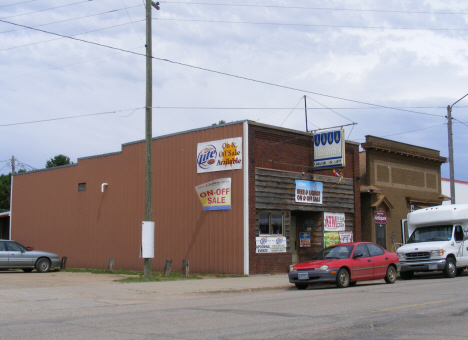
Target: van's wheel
[342,278]
[450,269]
[391,274]
[301,286]
[406,275]
[43,265]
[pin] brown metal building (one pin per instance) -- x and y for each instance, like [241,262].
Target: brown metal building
[396,178]
[92,211]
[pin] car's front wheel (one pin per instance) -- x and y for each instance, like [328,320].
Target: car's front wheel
[450,269]
[301,286]
[342,278]
[391,274]
[43,265]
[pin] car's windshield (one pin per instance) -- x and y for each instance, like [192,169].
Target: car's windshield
[432,233]
[336,252]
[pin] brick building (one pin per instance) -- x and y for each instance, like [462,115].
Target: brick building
[396,178]
[92,211]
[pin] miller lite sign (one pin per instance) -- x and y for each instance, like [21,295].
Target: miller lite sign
[219,155]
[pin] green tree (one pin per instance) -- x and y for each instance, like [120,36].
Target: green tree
[221,122]
[5,187]
[58,160]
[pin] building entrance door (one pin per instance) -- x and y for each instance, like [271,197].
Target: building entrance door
[380,235]
[293,240]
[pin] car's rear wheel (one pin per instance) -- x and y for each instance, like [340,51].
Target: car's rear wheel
[450,269]
[406,275]
[43,265]
[391,274]
[342,278]
[301,286]
[27,270]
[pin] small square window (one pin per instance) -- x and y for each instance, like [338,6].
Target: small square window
[81,186]
[270,224]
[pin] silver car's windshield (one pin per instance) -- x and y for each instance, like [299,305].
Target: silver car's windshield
[431,234]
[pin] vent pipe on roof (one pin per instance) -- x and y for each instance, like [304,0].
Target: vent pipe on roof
[103,185]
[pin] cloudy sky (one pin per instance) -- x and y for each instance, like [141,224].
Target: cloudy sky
[392,67]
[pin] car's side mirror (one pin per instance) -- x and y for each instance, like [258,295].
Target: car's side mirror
[358,255]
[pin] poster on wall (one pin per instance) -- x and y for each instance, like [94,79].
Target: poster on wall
[345,236]
[380,217]
[329,149]
[333,221]
[309,192]
[331,238]
[304,240]
[215,195]
[270,244]
[219,155]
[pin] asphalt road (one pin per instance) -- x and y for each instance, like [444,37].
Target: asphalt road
[42,306]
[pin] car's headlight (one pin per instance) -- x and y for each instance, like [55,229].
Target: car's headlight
[401,257]
[292,269]
[324,267]
[439,252]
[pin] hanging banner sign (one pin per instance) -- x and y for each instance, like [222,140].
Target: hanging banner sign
[270,244]
[304,239]
[309,192]
[219,155]
[345,236]
[380,217]
[215,195]
[333,221]
[329,149]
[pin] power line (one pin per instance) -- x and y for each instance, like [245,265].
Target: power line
[18,3]
[313,8]
[402,133]
[313,25]
[330,109]
[70,117]
[46,9]
[65,36]
[72,19]
[224,73]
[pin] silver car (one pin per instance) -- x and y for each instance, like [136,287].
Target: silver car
[15,256]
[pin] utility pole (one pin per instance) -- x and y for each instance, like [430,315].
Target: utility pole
[149,129]
[305,108]
[12,164]
[450,144]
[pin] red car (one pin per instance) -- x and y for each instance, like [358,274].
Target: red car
[345,264]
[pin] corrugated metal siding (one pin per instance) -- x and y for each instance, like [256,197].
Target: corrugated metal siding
[89,227]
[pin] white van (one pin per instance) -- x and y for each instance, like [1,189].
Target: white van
[438,241]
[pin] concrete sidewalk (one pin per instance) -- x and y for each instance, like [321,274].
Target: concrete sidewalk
[253,283]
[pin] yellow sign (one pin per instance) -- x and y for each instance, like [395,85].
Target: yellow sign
[215,195]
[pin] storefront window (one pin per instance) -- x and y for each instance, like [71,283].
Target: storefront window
[276,224]
[264,223]
[270,224]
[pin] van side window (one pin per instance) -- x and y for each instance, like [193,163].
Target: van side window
[458,233]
